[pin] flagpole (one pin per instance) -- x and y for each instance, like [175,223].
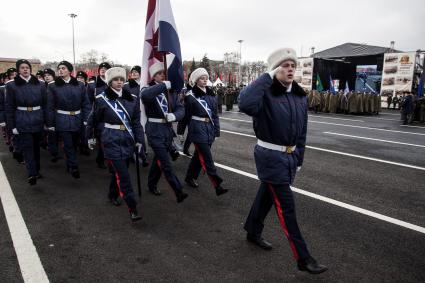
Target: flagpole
[170,109]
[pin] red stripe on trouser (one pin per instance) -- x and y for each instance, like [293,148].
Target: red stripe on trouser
[202,160]
[282,222]
[118,179]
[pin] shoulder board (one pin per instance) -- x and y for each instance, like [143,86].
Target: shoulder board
[99,96]
[8,82]
[133,95]
[52,82]
[126,83]
[188,93]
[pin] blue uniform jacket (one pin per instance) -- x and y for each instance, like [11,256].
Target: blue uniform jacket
[201,132]
[20,93]
[2,104]
[133,87]
[117,144]
[160,134]
[279,117]
[67,97]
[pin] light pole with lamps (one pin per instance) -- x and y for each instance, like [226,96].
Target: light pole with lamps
[240,61]
[73,40]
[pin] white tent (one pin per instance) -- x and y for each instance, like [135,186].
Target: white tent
[218,82]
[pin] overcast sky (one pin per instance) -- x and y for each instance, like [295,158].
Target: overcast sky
[42,29]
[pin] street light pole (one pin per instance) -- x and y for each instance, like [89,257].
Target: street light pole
[240,61]
[73,39]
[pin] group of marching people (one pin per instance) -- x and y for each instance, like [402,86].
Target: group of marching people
[109,112]
[56,108]
[346,103]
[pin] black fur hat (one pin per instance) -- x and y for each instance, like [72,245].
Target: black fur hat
[23,61]
[82,74]
[67,65]
[49,71]
[104,65]
[39,73]
[10,71]
[137,69]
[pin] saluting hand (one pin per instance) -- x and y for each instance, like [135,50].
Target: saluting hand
[273,73]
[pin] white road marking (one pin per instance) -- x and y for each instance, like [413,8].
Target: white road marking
[372,139]
[367,128]
[333,118]
[342,153]
[335,202]
[29,262]
[336,124]
[409,126]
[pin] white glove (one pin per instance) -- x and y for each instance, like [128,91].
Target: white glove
[139,147]
[273,73]
[181,138]
[3,124]
[170,117]
[15,131]
[85,123]
[298,168]
[51,129]
[167,84]
[91,143]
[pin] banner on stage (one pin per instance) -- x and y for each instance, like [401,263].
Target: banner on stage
[397,73]
[304,73]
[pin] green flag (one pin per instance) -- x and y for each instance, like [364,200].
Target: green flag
[319,85]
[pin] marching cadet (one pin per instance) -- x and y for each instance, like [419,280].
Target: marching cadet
[133,84]
[93,89]
[119,111]
[2,104]
[279,107]
[39,75]
[25,114]
[82,77]
[204,127]
[68,108]
[84,149]
[52,137]
[162,108]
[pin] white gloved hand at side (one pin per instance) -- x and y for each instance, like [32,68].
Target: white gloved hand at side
[171,117]
[167,84]
[3,124]
[51,129]
[298,168]
[15,131]
[91,143]
[139,147]
[273,73]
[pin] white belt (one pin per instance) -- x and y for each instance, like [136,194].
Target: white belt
[115,127]
[72,113]
[202,119]
[156,120]
[29,109]
[282,148]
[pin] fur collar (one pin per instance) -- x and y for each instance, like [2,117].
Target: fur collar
[152,83]
[278,89]
[20,81]
[60,82]
[99,82]
[199,92]
[111,94]
[133,83]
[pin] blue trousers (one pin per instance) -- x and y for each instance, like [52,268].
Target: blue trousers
[161,164]
[70,142]
[283,200]
[29,144]
[120,184]
[53,143]
[202,159]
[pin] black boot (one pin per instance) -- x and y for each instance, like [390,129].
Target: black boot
[115,201]
[32,180]
[260,242]
[174,155]
[155,191]
[311,266]
[181,196]
[220,191]
[75,173]
[134,215]
[191,182]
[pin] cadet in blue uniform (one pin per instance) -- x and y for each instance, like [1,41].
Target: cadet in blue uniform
[68,108]
[119,111]
[204,127]
[278,106]
[25,114]
[84,150]
[93,89]
[162,108]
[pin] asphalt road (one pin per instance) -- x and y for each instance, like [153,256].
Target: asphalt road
[80,237]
